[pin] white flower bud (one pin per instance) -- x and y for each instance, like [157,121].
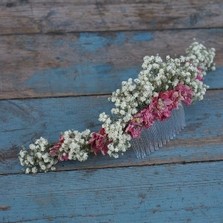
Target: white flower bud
[32,147]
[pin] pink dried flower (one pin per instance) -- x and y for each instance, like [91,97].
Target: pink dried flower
[185,93]
[63,157]
[199,74]
[160,110]
[54,151]
[162,105]
[134,128]
[170,98]
[147,117]
[99,142]
[199,77]
[142,119]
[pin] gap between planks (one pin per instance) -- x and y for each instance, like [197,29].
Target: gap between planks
[78,95]
[57,33]
[142,164]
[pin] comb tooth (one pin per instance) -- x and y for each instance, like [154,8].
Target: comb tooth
[147,138]
[180,118]
[159,133]
[183,122]
[162,132]
[143,148]
[152,139]
[136,148]
[156,135]
[174,125]
[167,128]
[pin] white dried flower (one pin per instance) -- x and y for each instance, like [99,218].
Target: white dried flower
[37,157]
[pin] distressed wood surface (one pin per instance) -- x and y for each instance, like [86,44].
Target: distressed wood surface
[22,121]
[87,63]
[166,193]
[44,16]
[58,59]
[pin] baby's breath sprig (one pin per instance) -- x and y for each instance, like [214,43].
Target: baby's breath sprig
[37,158]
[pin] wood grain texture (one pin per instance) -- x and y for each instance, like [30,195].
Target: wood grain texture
[22,121]
[44,16]
[166,193]
[50,50]
[87,63]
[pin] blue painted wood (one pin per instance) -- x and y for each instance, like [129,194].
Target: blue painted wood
[90,63]
[165,193]
[215,78]
[176,151]
[95,63]
[81,15]
[24,120]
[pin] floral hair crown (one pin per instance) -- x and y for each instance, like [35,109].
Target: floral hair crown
[153,96]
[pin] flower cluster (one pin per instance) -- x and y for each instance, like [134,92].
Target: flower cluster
[159,109]
[37,158]
[73,145]
[99,142]
[158,89]
[140,102]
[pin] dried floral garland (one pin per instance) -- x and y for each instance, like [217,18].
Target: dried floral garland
[159,88]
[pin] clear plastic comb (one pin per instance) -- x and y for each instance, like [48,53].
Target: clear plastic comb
[159,133]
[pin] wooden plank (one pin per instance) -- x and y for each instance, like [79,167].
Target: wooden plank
[177,151]
[22,121]
[87,63]
[44,16]
[166,193]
